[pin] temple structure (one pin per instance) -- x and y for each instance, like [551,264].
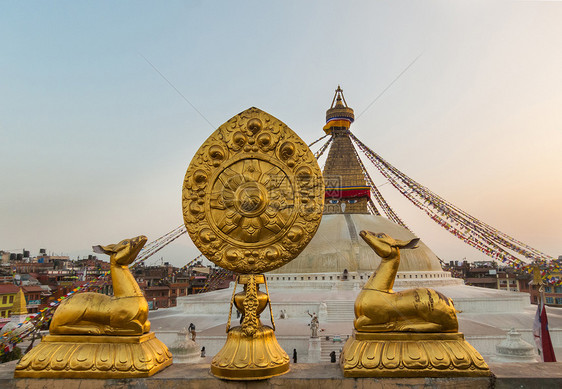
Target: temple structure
[327,276]
[336,252]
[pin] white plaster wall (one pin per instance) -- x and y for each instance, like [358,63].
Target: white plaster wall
[486,345]
[517,303]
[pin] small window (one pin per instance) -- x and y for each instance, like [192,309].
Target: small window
[315,278]
[323,277]
[331,277]
[559,300]
[547,289]
[549,300]
[302,278]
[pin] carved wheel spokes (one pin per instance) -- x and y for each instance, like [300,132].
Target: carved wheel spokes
[253,194]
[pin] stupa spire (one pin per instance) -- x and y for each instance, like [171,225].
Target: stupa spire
[19,307]
[346,189]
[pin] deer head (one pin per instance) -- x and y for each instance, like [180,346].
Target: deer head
[383,244]
[124,252]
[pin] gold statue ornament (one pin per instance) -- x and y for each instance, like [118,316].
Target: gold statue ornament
[96,336]
[252,199]
[126,313]
[413,333]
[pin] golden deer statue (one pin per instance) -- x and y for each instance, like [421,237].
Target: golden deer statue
[413,333]
[379,309]
[126,313]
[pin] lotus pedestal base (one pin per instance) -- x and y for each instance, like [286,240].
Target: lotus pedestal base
[250,357]
[401,354]
[83,356]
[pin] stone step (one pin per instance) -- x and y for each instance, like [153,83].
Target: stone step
[329,345]
[340,310]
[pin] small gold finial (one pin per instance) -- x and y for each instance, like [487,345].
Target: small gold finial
[19,307]
[339,109]
[537,277]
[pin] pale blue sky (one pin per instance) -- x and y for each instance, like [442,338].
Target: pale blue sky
[95,143]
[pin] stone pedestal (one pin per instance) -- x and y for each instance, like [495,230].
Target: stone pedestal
[314,350]
[514,349]
[184,349]
[403,354]
[79,356]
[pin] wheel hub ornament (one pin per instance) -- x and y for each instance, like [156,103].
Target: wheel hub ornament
[252,199]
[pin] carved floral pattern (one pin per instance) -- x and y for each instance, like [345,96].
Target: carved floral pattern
[253,194]
[418,357]
[64,356]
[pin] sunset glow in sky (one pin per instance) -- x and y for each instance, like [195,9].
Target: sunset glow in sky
[97,124]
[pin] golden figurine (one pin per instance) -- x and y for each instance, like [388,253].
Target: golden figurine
[126,313]
[379,309]
[413,333]
[96,336]
[252,199]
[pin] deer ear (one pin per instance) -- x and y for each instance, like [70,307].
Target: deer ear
[412,244]
[109,249]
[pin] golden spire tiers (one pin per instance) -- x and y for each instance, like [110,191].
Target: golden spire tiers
[339,114]
[252,200]
[347,191]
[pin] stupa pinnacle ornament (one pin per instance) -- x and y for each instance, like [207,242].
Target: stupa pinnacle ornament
[413,333]
[339,114]
[252,200]
[97,336]
[347,191]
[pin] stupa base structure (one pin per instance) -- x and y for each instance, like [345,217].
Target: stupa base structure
[102,357]
[245,357]
[402,354]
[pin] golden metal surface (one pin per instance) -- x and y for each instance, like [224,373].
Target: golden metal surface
[126,313]
[339,114]
[400,354]
[413,333]
[253,194]
[19,307]
[96,336]
[78,356]
[379,309]
[251,350]
[252,199]
[253,357]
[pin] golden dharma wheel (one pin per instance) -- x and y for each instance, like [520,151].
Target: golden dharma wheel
[253,194]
